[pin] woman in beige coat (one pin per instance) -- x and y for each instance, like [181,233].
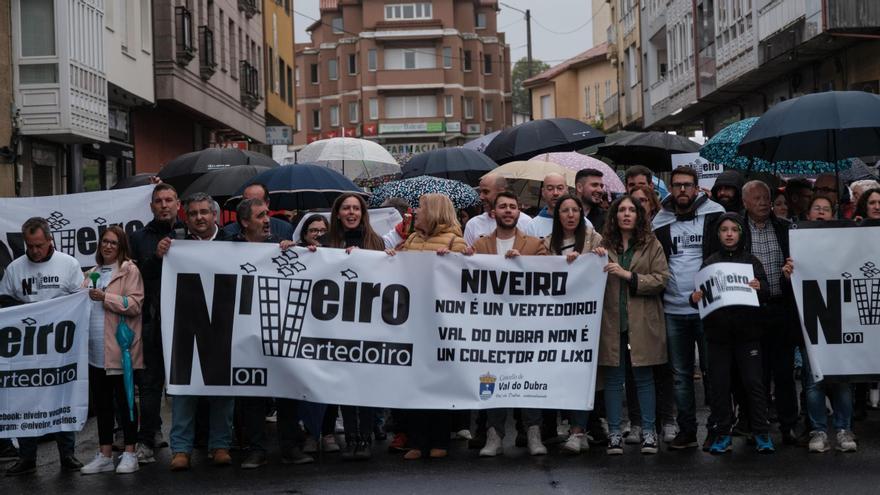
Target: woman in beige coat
[633,329]
[117,293]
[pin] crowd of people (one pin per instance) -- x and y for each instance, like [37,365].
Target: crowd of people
[653,350]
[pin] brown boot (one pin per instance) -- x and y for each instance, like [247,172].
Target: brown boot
[221,457]
[180,462]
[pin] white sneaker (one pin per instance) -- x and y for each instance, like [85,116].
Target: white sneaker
[669,432]
[328,444]
[635,435]
[128,463]
[536,447]
[99,464]
[493,444]
[576,443]
[819,441]
[463,434]
[846,442]
[145,454]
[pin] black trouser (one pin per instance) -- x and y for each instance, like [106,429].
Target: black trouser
[429,429]
[109,397]
[747,356]
[253,412]
[778,350]
[358,421]
[151,382]
[328,424]
[461,420]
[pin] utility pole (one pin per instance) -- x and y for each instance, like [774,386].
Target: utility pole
[528,14]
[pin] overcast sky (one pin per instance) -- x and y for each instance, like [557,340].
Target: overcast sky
[561,16]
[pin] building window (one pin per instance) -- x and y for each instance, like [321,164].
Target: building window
[405,11]
[316,119]
[281,82]
[353,112]
[298,121]
[402,107]
[372,59]
[313,73]
[447,57]
[147,27]
[467,60]
[37,33]
[337,25]
[547,107]
[289,87]
[333,69]
[410,58]
[374,108]
[487,110]
[334,116]
[587,101]
[487,64]
[481,21]
[608,88]
[352,64]
[296,75]
[448,109]
[468,107]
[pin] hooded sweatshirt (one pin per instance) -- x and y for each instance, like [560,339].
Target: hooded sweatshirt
[736,323]
[681,235]
[734,179]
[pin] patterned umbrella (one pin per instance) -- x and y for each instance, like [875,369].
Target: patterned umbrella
[462,195]
[722,148]
[577,161]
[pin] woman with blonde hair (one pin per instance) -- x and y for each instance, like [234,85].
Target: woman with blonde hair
[436,229]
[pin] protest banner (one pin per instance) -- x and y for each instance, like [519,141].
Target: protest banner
[382,220]
[706,170]
[76,220]
[410,331]
[44,366]
[836,284]
[725,284]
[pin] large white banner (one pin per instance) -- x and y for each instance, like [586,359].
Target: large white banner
[415,330]
[44,366]
[725,284]
[76,220]
[836,283]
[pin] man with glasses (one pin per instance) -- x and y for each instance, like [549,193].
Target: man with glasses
[552,189]
[683,223]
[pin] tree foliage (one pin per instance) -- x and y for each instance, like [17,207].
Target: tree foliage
[519,74]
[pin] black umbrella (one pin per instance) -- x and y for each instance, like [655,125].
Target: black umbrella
[223,183]
[459,164]
[828,126]
[651,149]
[133,181]
[183,170]
[541,136]
[301,186]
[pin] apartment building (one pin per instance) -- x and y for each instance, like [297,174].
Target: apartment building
[209,80]
[411,75]
[577,88]
[278,51]
[625,54]
[8,173]
[709,63]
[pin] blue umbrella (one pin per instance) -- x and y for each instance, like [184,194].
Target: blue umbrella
[462,195]
[723,149]
[125,337]
[450,163]
[301,186]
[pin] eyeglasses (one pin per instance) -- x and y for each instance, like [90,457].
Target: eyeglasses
[317,231]
[683,185]
[108,242]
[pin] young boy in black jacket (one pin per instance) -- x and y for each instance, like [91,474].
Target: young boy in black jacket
[733,333]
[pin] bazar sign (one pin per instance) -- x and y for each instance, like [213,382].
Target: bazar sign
[411,127]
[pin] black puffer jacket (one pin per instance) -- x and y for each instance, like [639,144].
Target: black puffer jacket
[143,252]
[736,323]
[734,179]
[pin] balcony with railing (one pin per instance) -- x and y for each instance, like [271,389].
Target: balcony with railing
[779,15]
[659,91]
[405,79]
[207,61]
[610,108]
[629,21]
[249,81]
[249,7]
[185,51]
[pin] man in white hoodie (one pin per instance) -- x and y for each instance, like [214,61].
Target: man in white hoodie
[683,223]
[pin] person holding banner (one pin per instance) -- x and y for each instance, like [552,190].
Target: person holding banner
[509,241]
[350,229]
[281,229]
[483,224]
[633,332]
[733,334]
[840,393]
[40,275]
[117,291]
[437,230]
[313,231]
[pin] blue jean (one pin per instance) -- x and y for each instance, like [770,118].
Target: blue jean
[615,378]
[841,401]
[183,421]
[682,333]
[27,446]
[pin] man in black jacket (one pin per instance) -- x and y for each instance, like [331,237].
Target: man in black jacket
[727,191]
[591,189]
[148,245]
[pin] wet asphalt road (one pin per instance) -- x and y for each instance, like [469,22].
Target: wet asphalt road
[791,470]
